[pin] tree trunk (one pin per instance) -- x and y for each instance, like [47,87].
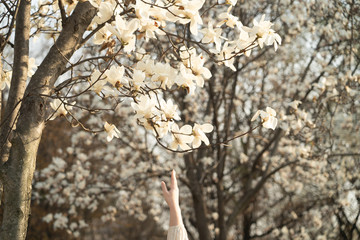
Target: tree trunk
[18,82]
[198,199]
[19,77]
[19,169]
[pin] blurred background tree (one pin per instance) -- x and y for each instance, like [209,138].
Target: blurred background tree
[299,181]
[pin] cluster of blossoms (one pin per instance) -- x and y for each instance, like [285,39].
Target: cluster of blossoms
[145,81]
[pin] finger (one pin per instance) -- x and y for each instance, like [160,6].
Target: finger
[173,180]
[164,188]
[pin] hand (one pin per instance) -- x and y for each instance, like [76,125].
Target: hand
[171,196]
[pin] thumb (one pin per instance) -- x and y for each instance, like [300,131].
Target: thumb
[164,188]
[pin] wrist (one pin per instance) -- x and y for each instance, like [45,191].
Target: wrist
[175,208]
[175,216]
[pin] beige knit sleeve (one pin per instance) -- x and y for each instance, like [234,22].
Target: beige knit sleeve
[177,233]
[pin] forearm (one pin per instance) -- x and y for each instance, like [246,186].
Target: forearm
[175,216]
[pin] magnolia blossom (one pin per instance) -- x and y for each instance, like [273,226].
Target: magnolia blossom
[244,41]
[268,118]
[58,106]
[144,107]
[180,137]
[196,64]
[102,35]
[95,3]
[138,79]
[114,75]
[199,70]
[186,79]
[226,56]
[169,110]
[48,218]
[5,80]
[105,12]
[232,2]
[189,13]
[262,30]
[294,104]
[199,134]
[60,221]
[142,10]
[186,53]
[111,131]
[229,19]
[160,14]
[147,65]
[124,31]
[212,35]
[31,67]
[163,73]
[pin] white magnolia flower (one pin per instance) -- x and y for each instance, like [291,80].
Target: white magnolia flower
[186,53]
[147,25]
[95,3]
[58,106]
[142,10]
[105,12]
[31,67]
[188,12]
[229,19]
[244,41]
[124,31]
[138,79]
[161,127]
[295,104]
[147,65]
[102,35]
[159,14]
[60,221]
[5,79]
[144,107]
[262,30]
[169,110]
[196,64]
[114,75]
[48,218]
[186,79]
[198,69]
[212,35]
[199,134]
[163,73]
[226,56]
[181,137]
[268,118]
[111,131]
[232,2]
[82,224]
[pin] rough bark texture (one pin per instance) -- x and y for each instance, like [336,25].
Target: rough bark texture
[19,169]
[19,76]
[1,102]
[198,199]
[18,82]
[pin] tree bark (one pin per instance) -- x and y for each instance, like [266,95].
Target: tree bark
[19,77]
[18,82]
[19,169]
[198,199]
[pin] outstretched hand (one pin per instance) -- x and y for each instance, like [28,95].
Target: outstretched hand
[172,199]
[171,196]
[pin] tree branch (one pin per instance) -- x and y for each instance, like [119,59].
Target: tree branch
[62,12]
